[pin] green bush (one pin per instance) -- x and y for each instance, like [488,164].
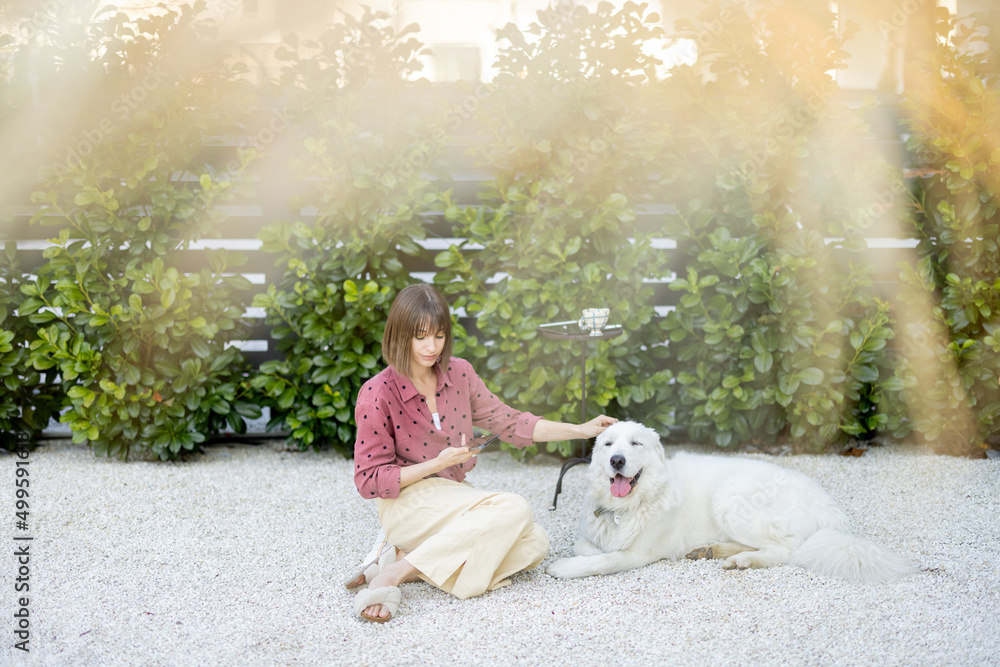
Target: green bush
[776,335]
[28,398]
[365,145]
[953,365]
[138,336]
[563,134]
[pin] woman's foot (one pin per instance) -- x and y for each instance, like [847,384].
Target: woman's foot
[372,571]
[357,582]
[397,573]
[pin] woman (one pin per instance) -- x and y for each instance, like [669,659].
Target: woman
[411,457]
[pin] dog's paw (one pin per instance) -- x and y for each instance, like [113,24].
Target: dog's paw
[701,554]
[565,568]
[738,562]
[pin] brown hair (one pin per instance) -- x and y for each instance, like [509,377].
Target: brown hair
[417,309]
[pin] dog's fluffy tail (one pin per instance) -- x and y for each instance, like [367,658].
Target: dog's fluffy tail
[837,554]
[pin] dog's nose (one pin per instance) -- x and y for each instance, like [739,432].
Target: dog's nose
[617,461]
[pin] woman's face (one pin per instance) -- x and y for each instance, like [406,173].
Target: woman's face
[426,348]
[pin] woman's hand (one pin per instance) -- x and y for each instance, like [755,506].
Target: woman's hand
[596,426]
[449,456]
[452,456]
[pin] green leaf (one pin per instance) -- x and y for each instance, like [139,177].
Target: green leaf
[350,291]
[763,362]
[287,399]
[200,348]
[444,259]
[811,376]
[864,373]
[84,198]
[788,384]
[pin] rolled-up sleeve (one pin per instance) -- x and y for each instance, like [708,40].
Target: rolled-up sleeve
[376,473]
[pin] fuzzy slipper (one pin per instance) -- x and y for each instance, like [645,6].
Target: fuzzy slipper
[388,597]
[382,554]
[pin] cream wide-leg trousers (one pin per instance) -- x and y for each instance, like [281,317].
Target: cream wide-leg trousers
[463,540]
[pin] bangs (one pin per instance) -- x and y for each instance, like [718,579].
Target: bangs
[432,322]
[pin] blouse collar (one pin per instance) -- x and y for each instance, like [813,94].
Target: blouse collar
[405,385]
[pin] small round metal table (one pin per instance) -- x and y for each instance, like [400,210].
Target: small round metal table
[571,331]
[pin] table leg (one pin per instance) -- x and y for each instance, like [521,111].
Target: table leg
[566,466]
[583,458]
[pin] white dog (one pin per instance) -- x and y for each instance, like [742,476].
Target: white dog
[643,508]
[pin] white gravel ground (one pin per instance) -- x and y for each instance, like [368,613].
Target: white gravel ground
[237,557]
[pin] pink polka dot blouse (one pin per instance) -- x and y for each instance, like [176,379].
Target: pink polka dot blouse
[395,427]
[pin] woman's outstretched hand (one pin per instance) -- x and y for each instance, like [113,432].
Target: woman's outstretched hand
[596,426]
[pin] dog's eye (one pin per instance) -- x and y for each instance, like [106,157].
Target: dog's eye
[637,444]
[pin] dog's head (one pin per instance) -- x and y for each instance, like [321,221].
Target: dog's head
[622,455]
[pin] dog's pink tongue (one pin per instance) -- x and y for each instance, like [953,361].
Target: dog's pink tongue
[621,486]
